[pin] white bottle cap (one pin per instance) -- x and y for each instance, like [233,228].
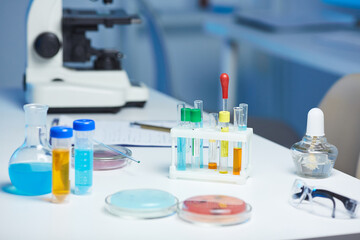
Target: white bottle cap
[315,123]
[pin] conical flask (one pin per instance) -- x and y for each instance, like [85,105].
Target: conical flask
[30,165]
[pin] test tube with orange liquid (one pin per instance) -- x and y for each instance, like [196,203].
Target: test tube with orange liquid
[61,152]
[213,144]
[240,123]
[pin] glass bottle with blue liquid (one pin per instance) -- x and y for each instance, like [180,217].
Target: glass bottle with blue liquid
[84,155]
[30,165]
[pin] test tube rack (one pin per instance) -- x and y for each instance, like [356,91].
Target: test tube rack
[205,174]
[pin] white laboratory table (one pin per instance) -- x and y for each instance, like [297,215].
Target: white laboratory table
[84,217]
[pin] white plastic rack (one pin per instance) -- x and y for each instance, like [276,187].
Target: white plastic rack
[205,174]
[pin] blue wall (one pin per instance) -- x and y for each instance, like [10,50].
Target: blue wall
[12,42]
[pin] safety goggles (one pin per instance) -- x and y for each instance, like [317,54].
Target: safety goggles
[322,202]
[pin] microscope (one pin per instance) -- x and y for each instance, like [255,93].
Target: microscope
[57,42]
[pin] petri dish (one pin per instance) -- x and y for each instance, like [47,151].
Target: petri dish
[218,210]
[142,203]
[105,159]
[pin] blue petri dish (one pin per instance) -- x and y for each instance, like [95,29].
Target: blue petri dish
[142,203]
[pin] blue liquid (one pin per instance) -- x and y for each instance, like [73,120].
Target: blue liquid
[83,170]
[196,162]
[143,199]
[181,154]
[31,178]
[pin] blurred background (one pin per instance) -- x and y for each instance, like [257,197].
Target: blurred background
[282,56]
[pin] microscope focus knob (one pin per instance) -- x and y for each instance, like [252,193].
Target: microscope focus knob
[47,45]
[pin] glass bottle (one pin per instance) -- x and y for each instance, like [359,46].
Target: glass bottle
[30,164]
[313,156]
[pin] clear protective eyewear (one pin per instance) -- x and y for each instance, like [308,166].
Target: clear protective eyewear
[322,202]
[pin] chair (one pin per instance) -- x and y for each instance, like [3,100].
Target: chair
[341,107]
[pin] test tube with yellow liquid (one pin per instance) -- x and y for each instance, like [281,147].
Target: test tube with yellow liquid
[224,119]
[61,146]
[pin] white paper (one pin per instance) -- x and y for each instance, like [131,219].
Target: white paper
[124,133]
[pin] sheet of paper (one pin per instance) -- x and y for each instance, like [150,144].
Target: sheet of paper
[124,133]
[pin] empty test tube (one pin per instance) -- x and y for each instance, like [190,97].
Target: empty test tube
[224,119]
[213,155]
[243,116]
[195,121]
[198,104]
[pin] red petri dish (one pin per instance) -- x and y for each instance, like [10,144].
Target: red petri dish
[215,205]
[220,210]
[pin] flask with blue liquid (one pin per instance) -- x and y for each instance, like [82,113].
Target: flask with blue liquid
[84,155]
[30,165]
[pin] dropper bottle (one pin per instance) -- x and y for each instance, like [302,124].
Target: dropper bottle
[224,80]
[313,156]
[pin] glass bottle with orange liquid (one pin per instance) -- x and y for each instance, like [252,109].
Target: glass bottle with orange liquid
[61,149]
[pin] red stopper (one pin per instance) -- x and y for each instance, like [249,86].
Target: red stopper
[224,80]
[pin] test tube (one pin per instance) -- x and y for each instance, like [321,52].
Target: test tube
[198,104]
[181,142]
[224,119]
[242,126]
[243,116]
[61,144]
[195,120]
[237,145]
[213,156]
[187,124]
[84,155]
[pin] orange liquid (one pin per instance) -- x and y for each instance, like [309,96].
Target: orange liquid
[60,174]
[237,161]
[213,165]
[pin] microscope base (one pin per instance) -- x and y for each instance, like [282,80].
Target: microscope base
[84,91]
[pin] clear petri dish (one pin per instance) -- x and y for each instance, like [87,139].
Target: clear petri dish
[142,203]
[218,210]
[105,159]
